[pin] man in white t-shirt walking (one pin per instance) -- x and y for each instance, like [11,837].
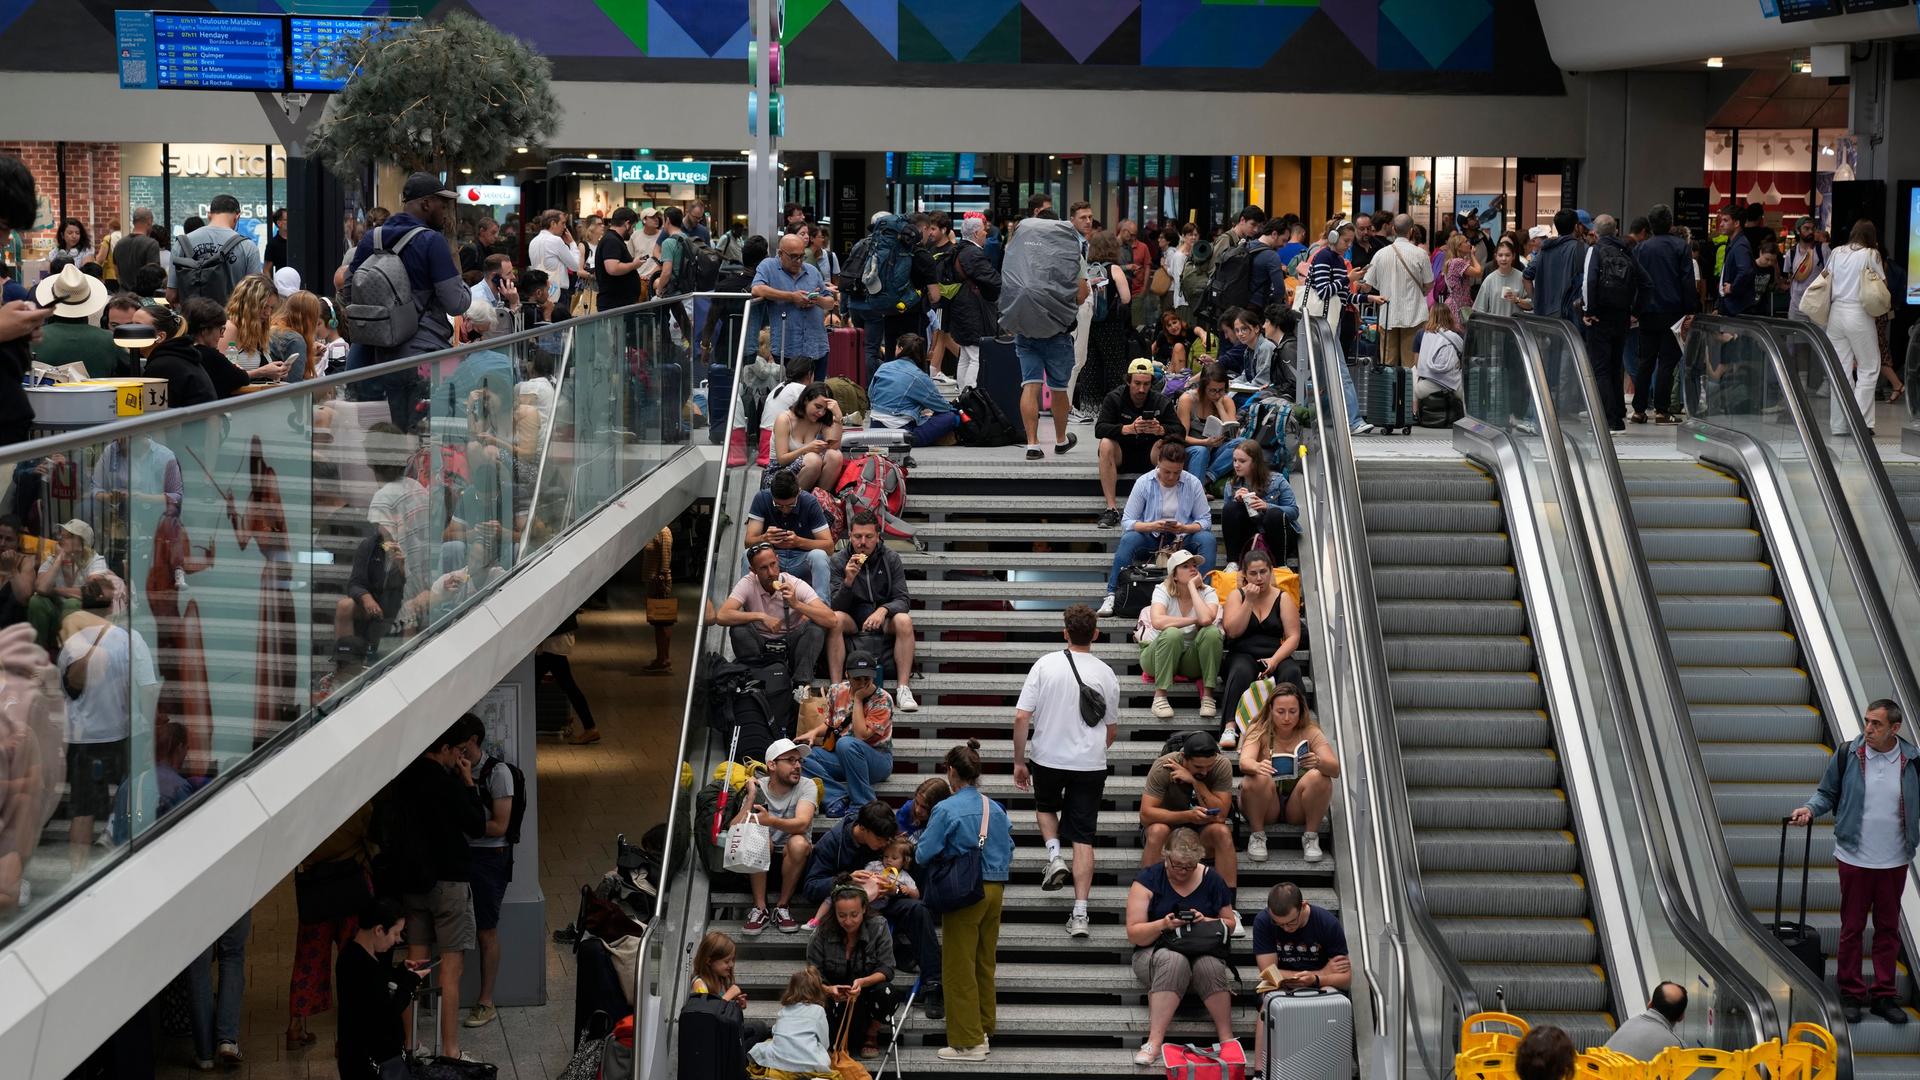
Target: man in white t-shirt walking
[1068,775]
[785,803]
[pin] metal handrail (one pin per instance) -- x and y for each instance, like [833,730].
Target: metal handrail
[1393,819]
[645,1035]
[1582,519]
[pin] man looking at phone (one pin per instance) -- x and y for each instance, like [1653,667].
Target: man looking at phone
[1191,788]
[1304,945]
[428,813]
[1132,419]
[1068,774]
[797,290]
[1168,508]
[870,597]
[793,523]
[497,286]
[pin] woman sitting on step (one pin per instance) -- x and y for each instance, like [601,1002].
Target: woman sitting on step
[1180,919]
[1287,769]
[854,952]
[1179,634]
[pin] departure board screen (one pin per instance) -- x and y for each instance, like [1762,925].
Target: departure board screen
[219,52]
[312,56]
[1801,10]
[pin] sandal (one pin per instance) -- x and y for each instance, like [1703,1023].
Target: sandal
[1148,1054]
[1897,391]
[302,1040]
[871,1050]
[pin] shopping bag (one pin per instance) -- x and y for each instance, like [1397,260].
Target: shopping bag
[749,849]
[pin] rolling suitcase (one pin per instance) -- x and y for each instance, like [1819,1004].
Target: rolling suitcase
[847,355]
[1000,380]
[1799,938]
[709,1043]
[1386,397]
[1309,1034]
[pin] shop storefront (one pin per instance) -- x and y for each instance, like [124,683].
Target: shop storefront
[1789,171]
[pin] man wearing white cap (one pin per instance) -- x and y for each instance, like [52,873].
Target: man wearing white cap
[57,587]
[784,802]
[71,335]
[1535,237]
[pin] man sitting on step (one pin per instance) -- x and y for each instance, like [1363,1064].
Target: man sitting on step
[773,612]
[785,803]
[793,522]
[1168,508]
[1132,421]
[870,597]
[1191,788]
[1305,946]
[850,846]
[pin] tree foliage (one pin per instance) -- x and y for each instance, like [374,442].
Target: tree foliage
[435,97]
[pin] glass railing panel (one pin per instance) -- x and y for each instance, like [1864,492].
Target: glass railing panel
[1734,382]
[1850,451]
[260,558]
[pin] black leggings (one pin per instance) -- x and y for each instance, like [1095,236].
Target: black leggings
[1240,524]
[562,671]
[1239,671]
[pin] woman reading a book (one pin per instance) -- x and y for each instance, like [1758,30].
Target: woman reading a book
[1212,424]
[1287,770]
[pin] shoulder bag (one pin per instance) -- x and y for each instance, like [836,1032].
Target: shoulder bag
[959,882]
[1875,299]
[1093,704]
[1818,297]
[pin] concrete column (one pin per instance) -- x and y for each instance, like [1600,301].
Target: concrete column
[1645,133]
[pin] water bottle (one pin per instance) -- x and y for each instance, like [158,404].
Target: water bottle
[1233,569]
[233,354]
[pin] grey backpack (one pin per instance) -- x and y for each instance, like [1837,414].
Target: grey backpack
[381,309]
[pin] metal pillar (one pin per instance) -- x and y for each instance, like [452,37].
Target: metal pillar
[763,164]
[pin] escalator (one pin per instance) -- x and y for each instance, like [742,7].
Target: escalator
[1904,477]
[1499,862]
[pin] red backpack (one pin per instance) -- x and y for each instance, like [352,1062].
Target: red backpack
[876,483]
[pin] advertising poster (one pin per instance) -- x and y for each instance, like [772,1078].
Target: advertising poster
[1489,207]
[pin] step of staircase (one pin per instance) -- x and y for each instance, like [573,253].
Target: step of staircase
[1106,901]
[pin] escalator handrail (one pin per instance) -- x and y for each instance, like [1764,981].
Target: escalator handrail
[1607,594]
[1321,352]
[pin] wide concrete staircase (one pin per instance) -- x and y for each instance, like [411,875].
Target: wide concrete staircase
[1010,544]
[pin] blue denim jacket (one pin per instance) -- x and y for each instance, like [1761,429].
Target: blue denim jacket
[1842,792]
[954,827]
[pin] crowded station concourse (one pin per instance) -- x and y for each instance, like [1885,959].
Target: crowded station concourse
[1066,575]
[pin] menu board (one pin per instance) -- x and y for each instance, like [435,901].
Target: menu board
[312,56]
[1856,6]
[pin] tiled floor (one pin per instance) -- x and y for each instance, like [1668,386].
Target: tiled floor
[588,795]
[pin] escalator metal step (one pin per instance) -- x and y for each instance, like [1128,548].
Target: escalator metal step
[1533,940]
[1463,689]
[1744,685]
[1757,723]
[1435,767]
[1433,582]
[1689,543]
[1456,549]
[1691,512]
[1735,648]
[1467,808]
[1690,611]
[1571,987]
[1712,578]
[1518,851]
[1766,763]
[1507,894]
[1455,652]
[1457,617]
[1490,727]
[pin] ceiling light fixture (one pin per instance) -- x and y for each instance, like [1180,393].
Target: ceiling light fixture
[689,157]
[1346,161]
[464,171]
[1716,61]
[591,156]
[519,149]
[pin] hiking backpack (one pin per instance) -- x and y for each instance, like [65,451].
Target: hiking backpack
[1197,271]
[1269,421]
[876,483]
[886,272]
[519,812]
[1231,286]
[210,277]
[1614,284]
[981,421]
[381,309]
[698,269]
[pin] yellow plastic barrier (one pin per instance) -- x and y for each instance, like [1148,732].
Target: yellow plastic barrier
[1810,1052]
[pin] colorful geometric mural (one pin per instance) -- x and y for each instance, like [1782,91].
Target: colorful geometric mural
[1355,46]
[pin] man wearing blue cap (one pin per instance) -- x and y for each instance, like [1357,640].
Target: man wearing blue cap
[1555,269]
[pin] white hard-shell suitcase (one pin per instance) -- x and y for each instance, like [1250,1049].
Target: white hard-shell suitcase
[1309,1034]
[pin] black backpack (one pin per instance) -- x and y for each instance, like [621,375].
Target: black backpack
[981,421]
[1615,281]
[1231,286]
[209,277]
[851,286]
[519,812]
[698,268]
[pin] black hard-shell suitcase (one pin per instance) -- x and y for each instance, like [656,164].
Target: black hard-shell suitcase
[1800,938]
[709,1042]
[1386,397]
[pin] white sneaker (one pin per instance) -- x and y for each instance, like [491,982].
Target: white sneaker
[1229,737]
[1257,847]
[904,700]
[964,1053]
[1077,925]
[1310,844]
[1363,428]
[1056,876]
[1106,607]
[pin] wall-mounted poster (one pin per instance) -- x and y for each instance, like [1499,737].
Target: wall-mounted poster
[1420,192]
[1490,208]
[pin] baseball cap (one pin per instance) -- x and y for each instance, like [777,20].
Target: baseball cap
[80,529]
[1200,744]
[1179,559]
[861,667]
[1140,366]
[1538,232]
[421,185]
[1586,219]
[780,748]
